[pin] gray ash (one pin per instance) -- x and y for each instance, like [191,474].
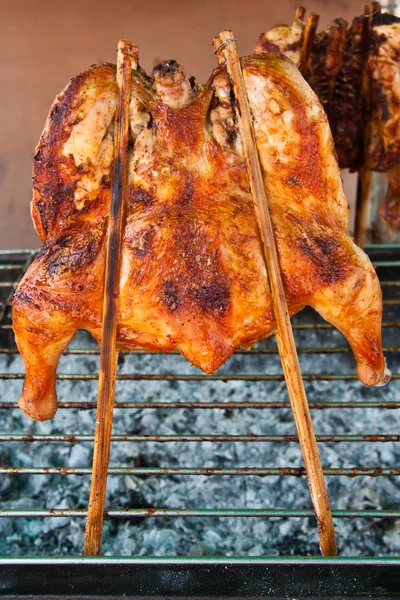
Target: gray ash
[203,536]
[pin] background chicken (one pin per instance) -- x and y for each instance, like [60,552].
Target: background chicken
[287,39]
[384,141]
[365,130]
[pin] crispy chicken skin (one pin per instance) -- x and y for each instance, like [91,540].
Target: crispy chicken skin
[193,276]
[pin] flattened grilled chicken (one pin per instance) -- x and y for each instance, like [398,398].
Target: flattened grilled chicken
[193,275]
[384,140]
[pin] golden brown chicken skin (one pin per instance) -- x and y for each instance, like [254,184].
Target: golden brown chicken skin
[193,276]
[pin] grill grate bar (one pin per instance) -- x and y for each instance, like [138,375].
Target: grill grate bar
[208,471]
[19,251]
[74,439]
[387,283]
[31,255]
[7,304]
[218,405]
[296,326]
[12,267]
[23,268]
[256,377]
[318,350]
[204,512]
[385,263]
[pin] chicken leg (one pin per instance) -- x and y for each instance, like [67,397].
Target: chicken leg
[41,338]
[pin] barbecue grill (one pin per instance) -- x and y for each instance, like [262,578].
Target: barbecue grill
[328,360]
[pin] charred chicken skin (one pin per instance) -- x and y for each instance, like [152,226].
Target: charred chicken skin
[193,276]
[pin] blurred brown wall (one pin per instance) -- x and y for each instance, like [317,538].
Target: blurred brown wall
[44,43]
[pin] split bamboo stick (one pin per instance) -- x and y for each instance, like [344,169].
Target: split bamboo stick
[376,8]
[127,59]
[285,338]
[364,179]
[308,39]
[299,14]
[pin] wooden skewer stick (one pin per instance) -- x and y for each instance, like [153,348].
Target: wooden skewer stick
[286,344]
[299,14]
[127,59]
[308,39]
[363,204]
[364,178]
[376,8]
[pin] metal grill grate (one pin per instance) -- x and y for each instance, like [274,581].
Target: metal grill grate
[13,264]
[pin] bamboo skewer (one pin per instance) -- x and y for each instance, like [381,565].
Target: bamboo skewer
[363,203]
[308,39]
[286,344]
[364,178]
[127,59]
[376,8]
[299,14]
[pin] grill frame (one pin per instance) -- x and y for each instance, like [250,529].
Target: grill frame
[383,258]
[200,578]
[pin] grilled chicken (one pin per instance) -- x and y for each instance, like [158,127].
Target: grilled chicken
[286,39]
[384,140]
[335,70]
[334,73]
[326,61]
[193,276]
[346,103]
